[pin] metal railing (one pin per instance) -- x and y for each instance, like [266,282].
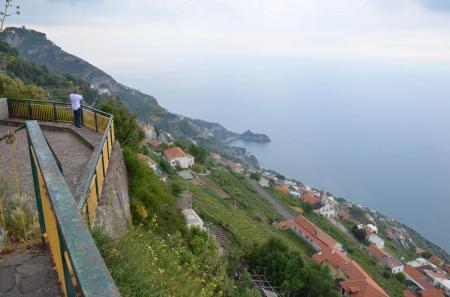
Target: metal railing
[57,112]
[79,265]
[92,118]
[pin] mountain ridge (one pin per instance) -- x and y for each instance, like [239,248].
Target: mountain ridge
[36,47]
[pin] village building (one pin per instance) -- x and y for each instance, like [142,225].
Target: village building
[264,182]
[376,240]
[424,293]
[176,156]
[192,218]
[236,167]
[343,215]
[312,234]
[415,276]
[435,277]
[151,163]
[283,188]
[420,262]
[445,286]
[436,261]
[355,281]
[327,206]
[294,193]
[309,197]
[149,130]
[419,251]
[385,260]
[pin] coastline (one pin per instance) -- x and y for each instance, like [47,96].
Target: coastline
[278,173]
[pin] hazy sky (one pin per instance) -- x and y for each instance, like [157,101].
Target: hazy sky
[167,34]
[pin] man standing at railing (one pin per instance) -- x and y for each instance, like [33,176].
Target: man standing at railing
[75,99]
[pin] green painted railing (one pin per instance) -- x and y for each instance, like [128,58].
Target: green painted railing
[79,265]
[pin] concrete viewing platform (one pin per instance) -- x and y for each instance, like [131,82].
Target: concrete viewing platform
[32,273]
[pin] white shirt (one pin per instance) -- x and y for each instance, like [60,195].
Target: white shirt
[75,100]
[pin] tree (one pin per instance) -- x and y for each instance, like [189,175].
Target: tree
[400,277]
[255,175]
[199,152]
[4,14]
[360,234]
[287,269]
[125,124]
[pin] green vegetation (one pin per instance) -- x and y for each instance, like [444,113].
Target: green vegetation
[288,270]
[144,264]
[126,127]
[18,220]
[255,175]
[200,153]
[16,89]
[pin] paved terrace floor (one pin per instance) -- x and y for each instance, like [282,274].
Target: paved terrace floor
[31,273]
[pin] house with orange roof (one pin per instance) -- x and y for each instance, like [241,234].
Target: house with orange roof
[343,215]
[426,293]
[408,293]
[309,197]
[176,156]
[312,234]
[417,277]
[436,261]
[356,282]
[283,188]
[434,292]
[419,251]
[384,259]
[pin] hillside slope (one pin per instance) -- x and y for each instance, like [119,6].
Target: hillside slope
[34,46]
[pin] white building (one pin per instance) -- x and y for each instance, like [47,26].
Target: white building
[376,240]
[419,262]
[176,156]
[445,286]
[328,206]
[264,182]
[192,218]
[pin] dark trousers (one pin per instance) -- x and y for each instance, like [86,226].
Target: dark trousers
[77,117]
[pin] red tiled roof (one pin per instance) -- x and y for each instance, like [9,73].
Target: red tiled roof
[434,292]
[436,260]
[419,250]
[417,276]
[392,262]
[173,153]
[283,188]
[408,293]
[362,288]
[358,283]
[377,252]
[316,231]
[309,197]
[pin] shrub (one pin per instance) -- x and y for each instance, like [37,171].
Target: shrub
[152,204]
